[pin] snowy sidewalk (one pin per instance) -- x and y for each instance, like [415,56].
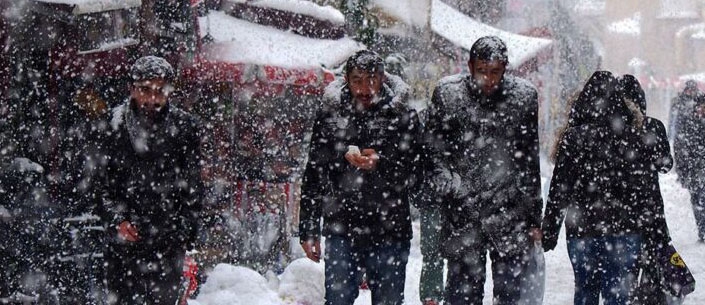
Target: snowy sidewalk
[302,283]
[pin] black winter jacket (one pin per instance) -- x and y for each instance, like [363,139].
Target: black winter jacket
[157,189]
[491,144]
[588,188]
[370,207]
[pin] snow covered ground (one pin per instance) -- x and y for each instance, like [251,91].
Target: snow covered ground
[302,282]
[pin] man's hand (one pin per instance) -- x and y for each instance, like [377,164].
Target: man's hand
[312,248]
[366,160]
[536,234]
[128,232]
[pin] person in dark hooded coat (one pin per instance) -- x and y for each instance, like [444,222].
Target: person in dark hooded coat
[652,156]
[590,192]
[482,134]
[361,193]
[690,159]
[152,189]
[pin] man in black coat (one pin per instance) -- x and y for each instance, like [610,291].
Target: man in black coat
[152,189]
[690,159]
[483,137]
[361,192]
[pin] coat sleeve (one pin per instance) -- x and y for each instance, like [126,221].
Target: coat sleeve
[561,191]
[314,187]
[662,158]
[193,189]
[440,141]
[527,158]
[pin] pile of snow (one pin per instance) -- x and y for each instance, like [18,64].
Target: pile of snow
[307,8]
[302,281]
[629,26]
[463,31]
[240,41]
[233,285]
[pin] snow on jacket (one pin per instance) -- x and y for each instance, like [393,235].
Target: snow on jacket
[154,181]
[487,149]
[367,206]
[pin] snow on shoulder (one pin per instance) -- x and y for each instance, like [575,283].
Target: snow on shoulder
[307,8]
[240,41]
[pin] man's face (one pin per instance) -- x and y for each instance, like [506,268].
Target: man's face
[364,86]
[487,74]
[151,95]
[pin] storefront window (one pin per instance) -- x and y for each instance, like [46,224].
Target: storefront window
[107,30]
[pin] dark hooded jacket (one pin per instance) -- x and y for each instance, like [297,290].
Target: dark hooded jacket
[688,148]
[370,207]
[152,178]
[652,155]
[487,147]
[590,187]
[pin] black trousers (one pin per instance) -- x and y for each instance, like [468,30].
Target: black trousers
[466,277]
[143,276]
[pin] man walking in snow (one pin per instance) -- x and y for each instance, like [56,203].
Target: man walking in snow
[483,137]
[362,162]
[152,189]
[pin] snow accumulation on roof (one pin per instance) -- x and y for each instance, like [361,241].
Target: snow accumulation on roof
[463,31]
[411,12]
[678,9]
[698,77]
[590,7]
[629,26]
[307,8]
[239,41]
[93,6]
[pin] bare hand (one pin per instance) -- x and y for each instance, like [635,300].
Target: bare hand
[366,160]
[128,232]
[312,248]
[536,234]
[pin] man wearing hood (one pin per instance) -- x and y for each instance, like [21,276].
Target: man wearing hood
[152,189]
[362,164]
[483,137]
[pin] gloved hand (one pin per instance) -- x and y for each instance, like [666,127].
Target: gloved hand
[549,241]
[446,182]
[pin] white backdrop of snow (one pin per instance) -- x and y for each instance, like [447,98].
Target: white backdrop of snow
[302,282]
[239,41]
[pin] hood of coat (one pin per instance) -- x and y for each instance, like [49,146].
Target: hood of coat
[394,87]
[630,89]
[599,104]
